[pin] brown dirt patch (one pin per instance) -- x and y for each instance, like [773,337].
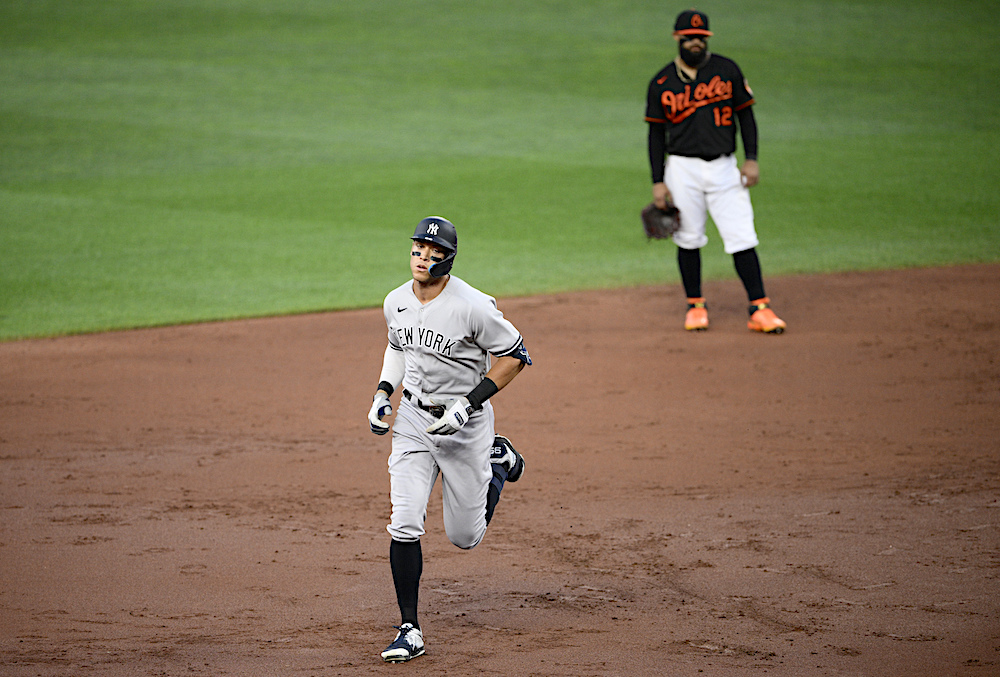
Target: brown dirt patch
[208,500]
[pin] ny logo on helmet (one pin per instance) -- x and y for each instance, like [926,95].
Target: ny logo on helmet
[432,229]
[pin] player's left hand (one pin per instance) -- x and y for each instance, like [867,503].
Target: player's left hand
[750,173]
[455,417]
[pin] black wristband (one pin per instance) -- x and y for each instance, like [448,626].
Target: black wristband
[482,392]
[386,386]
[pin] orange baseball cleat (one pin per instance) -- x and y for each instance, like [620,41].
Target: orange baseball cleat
[763,319]
[697,315]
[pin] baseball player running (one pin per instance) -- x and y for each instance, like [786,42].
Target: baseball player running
[441,333]
[693,107]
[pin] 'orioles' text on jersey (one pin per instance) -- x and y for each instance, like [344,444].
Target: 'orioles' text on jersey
[446,341]
[699,113]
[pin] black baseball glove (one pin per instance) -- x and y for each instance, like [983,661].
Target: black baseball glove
[660,223]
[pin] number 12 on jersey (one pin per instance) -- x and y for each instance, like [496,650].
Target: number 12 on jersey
[723,116]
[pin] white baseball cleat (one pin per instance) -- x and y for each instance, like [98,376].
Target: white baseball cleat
[409,643]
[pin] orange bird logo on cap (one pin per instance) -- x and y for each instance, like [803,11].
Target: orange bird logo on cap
[696,21]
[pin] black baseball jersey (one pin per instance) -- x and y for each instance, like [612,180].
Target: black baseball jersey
[699,114]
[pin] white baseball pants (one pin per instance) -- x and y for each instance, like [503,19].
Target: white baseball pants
[714,187]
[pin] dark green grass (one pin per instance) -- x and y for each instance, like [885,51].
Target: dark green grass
[183,161]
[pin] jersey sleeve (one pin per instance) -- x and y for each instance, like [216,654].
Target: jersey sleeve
[742,94]
[654,107]
[495,334]
[393,338]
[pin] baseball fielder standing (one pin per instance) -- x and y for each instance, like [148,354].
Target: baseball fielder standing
[693,107]
[441,333]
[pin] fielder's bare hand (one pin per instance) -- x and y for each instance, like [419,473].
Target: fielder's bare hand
[661,195]
[750,171]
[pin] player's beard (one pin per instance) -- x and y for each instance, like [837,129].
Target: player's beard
[692,59]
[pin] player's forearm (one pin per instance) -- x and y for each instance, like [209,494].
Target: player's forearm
[393,368]
[748,131]
[500,374]
[657,150]
[504,370]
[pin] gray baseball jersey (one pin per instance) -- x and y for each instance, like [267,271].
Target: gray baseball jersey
[447,341]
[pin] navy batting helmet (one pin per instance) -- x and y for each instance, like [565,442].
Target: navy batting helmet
[439,232]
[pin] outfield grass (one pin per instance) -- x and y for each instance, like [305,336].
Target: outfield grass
[181,161]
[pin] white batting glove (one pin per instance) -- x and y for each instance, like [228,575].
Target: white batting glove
[454,418]
[380,407]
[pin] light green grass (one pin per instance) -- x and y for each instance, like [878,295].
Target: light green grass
[183,161]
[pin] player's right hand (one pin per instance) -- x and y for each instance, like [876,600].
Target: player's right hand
[380,407]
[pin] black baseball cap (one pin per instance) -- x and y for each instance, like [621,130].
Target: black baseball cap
[692,22]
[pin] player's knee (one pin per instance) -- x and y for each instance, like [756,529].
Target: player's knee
[740,244]
[402,532]
[466,539]
[690,239]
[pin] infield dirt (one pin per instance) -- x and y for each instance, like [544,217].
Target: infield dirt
[208,499]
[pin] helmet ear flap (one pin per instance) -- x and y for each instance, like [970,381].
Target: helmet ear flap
[442,267]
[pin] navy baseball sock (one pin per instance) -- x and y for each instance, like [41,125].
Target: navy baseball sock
[748,268]
[689,262]
[407,562]
[496,486]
